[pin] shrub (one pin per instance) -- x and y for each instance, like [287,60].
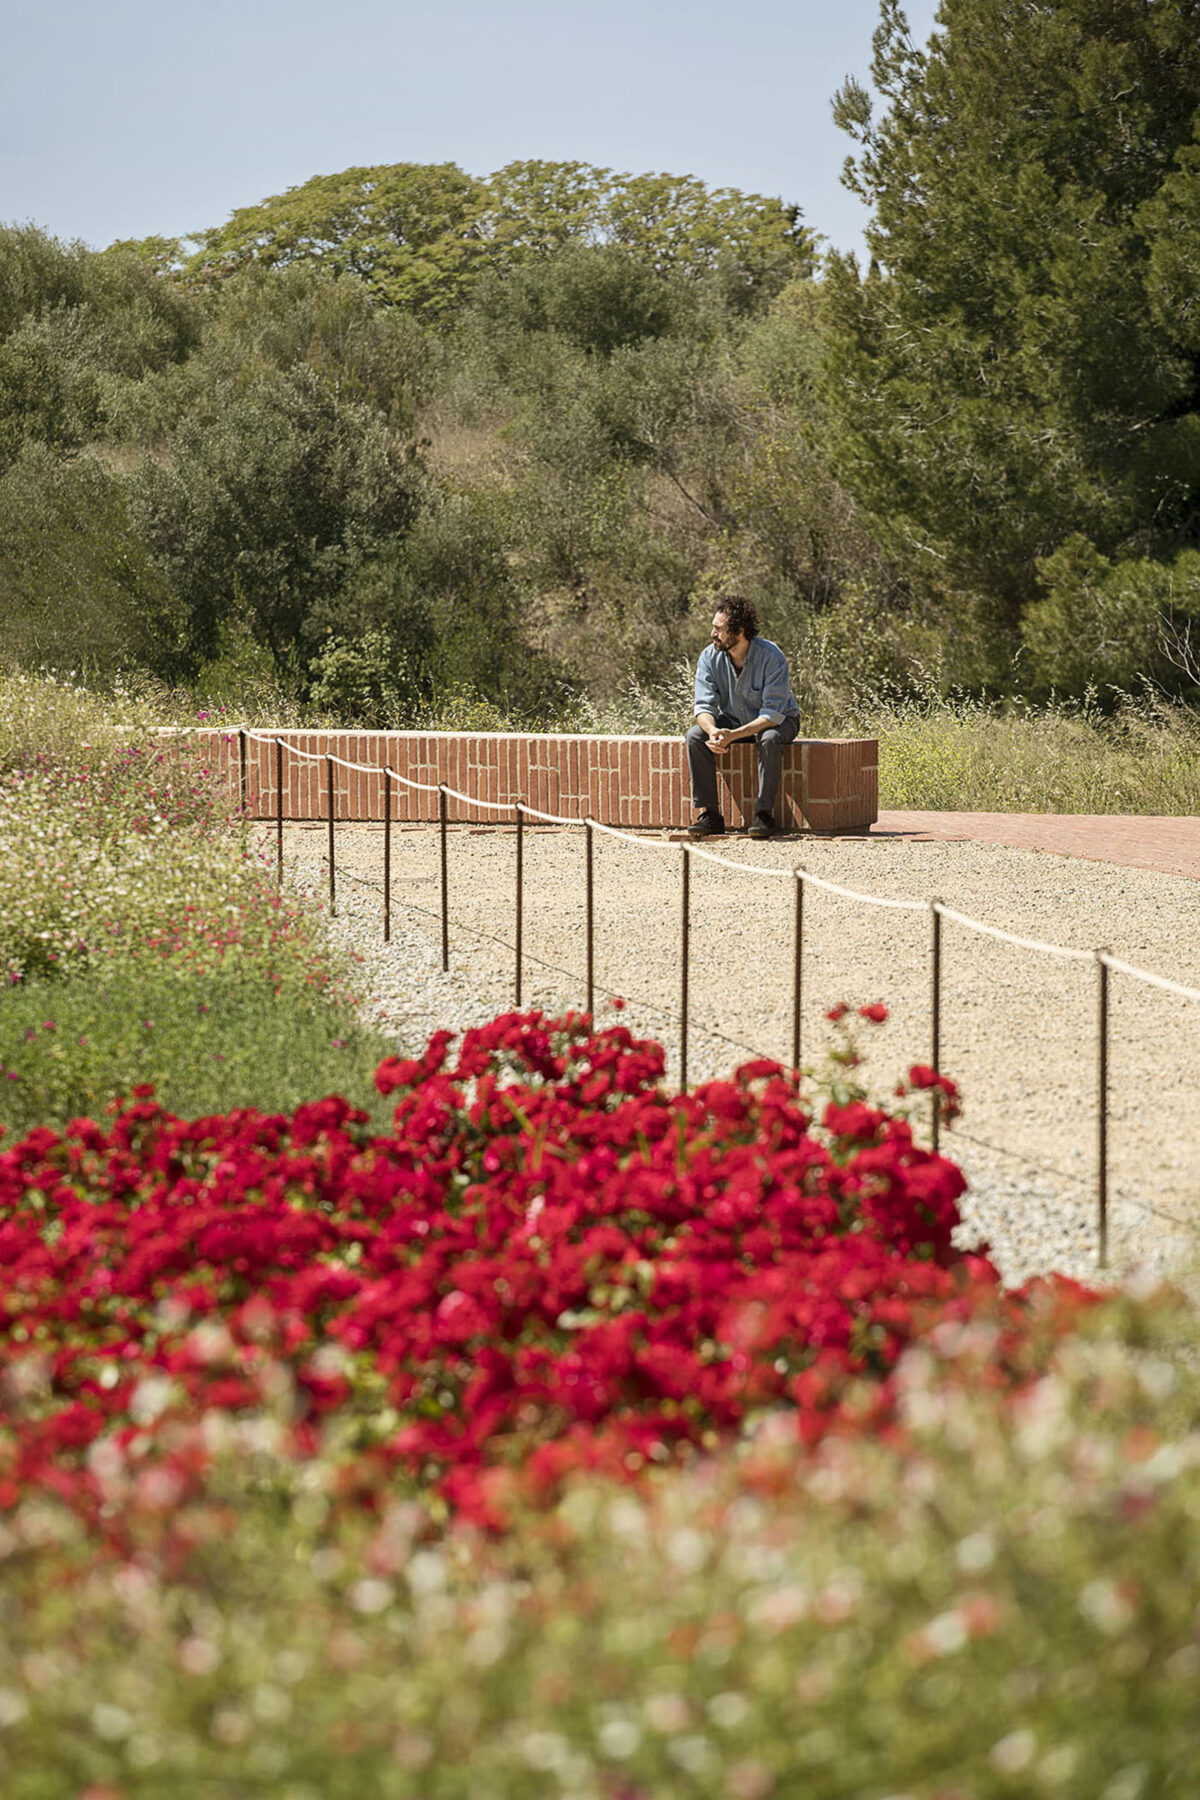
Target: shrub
[133,859]
[549,1263]
[998,1599]
[209,1042]
[1100,620]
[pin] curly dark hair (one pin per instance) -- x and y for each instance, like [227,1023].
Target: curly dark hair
[741,615]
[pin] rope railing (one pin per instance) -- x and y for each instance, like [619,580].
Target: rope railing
[1102,958]
[1011,937]
[1158,981]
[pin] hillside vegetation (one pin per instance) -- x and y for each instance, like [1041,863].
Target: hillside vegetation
[404,443]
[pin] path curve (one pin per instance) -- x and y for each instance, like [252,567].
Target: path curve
[1167,843]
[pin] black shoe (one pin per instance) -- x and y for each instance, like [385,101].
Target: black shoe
[709,824]
[763,827]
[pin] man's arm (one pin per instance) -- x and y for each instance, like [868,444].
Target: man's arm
[776,693]
[732,735]
[708,700]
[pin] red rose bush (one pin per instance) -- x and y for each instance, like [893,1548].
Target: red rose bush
[550,1263]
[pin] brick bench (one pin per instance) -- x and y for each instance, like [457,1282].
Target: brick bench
[828,784]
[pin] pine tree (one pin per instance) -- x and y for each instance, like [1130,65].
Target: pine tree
[1019,368]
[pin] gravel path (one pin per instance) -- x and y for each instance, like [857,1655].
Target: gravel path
[1018,1028]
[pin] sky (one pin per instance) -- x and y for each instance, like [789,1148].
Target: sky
[132,118]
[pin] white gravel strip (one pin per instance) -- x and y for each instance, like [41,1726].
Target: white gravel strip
[1018,1028]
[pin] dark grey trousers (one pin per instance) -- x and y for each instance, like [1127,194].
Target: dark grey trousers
[703,763]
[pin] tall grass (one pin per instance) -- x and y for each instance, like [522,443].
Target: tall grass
[142,939]
[958,754]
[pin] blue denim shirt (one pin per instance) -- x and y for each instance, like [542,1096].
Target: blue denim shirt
[763,687]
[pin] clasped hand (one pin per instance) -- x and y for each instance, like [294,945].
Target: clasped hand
[720,739]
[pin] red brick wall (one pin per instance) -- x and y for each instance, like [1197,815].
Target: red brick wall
[828,784]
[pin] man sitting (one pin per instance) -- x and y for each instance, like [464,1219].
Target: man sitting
[743,690]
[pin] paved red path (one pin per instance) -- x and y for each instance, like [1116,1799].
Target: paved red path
[1142,842]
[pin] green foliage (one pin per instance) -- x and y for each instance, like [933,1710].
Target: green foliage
[420,234]
[999,1600]
[78,588]
[37,273]
[1101,621]
[207,1044]
[254,415]
[408,229]
[429,618]
[599,297]
[750,245]
[369,680]
[537,207]
[302,314]
[274,495]
[415,435]
[1018,364]
[76,329]
[782,352]
[141,937]
[46,721]
[49,392]
[958,754]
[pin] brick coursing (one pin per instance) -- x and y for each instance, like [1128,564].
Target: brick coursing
[829,784]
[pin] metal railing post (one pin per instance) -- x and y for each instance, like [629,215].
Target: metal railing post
[279,810]
[445,878]
[387,855]
[685,931]
[936,1017]
[520,903]
[798,968]
[329,810]
[1102,1109]
[589,837]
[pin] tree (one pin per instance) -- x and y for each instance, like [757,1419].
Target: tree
[421,235]
[1101,622]
[77,587]
[751,245]
[272,497]
[1021,362]
[303,313]
[410,230]
[431,620]
[535,208]
[36,271]
[596,296]
[49,392]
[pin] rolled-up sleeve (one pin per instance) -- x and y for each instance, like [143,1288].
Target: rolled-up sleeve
[708,700]
[777,688]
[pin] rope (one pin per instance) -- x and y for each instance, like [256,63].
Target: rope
[626,837]
[1158,981]
[1010,937]
[831,887]
[1064,1176]
[505,806]
[553,818]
